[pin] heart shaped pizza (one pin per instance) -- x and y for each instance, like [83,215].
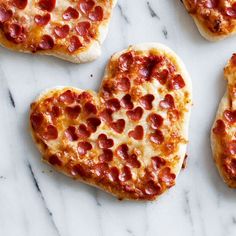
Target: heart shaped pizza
[215,19]
[69,29]
[223,137]
[129,139]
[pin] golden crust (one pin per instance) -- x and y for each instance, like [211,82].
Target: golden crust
[215,19]
[129,139]
[66,31]
[223,130]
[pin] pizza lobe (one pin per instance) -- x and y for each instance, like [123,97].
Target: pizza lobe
[70,30]
[223,132]
[128,139]
[215,19]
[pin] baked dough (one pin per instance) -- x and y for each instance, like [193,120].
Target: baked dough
[223,132]
[215,19]
[129,139]
[70,30]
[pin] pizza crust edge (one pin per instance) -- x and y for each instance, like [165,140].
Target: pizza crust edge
[227,102]
[223,105]
[183,147]
[205,32]
[90,54]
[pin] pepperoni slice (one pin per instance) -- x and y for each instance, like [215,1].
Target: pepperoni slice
[231,11]
[155,120]
[107,91]
[73,112]
[75,44]
[86,5]
[233,59]
[145,73]
[230,167]
[152,188]
[79,170]
[36,120]
[168,102]
[157,137]
[230,147]
[70,133]
[54,160]
[21,4]
[96,14]
[158,162]
[137,133]
[133,161]
[84,96]
[83,132]
[176,83]
[149,175]
[126,102]
[107,156]
[15,33]
[162,76]
[212,3]
[220,128]
[101,169]
[123,85]
[84,147]
[192,6]
[55,112]
[136,114]
[104,142]
[50,133]
[14,30]
[167,177]
[118,126]
[113,104]
[230,116]
[5,14]
[126,174]
[47,5]
[146,101]
[122,151]
[148,66]
[82,28]
[70,13]
[90,108]
[93,124]
[62,31]
[42,20]
[68,97]
[125,61]
[113,174]
[106,115]
[46,43]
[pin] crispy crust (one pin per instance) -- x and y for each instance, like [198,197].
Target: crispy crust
[222,137]
[180,152]
[205,23]
[88,53]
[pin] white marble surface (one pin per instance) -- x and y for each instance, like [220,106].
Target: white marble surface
[37,201]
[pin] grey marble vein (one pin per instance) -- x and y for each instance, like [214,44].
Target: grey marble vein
[43,199]
[152,12]
[123,15]
[165,32]
[11,98]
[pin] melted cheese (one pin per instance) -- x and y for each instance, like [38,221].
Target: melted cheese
[175,131]
[90,48]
